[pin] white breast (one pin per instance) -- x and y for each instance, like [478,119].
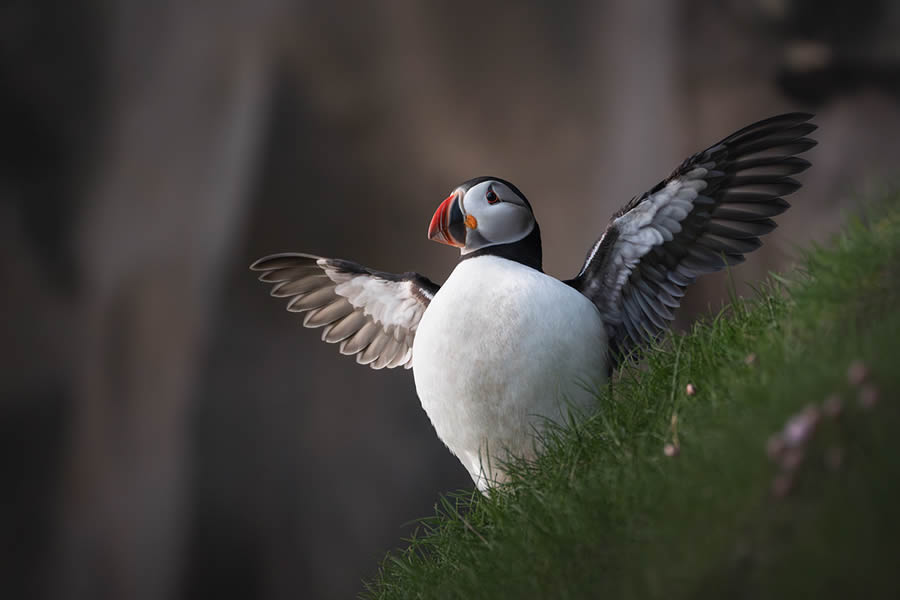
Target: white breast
[500,349]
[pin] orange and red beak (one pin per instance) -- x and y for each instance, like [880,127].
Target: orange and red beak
[448,225]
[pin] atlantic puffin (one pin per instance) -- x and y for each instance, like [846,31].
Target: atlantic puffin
[502,348]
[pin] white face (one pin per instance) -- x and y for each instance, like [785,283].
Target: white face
[500,216]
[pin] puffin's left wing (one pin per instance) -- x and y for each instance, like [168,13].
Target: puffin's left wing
[706,215]
[372,314]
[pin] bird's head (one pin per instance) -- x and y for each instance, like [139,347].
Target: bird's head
[482,213]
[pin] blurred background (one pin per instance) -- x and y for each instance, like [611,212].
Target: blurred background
[166,429]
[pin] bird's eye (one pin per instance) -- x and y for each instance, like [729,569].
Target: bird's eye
[491,197]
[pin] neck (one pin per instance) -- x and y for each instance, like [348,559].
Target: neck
[526,251]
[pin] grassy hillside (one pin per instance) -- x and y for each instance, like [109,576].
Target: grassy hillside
[729,509]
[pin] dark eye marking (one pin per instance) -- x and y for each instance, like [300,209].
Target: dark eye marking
[491,197]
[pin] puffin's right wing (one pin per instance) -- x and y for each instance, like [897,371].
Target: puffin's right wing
[372,314]
[706,215]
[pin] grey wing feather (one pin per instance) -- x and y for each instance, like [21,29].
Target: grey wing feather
[370,314]
[705,216]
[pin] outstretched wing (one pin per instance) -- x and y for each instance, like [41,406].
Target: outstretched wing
[371,314]
[706,215]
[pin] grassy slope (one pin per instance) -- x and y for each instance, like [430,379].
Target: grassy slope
[604,513]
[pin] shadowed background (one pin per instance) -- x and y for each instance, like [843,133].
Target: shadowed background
[167,429]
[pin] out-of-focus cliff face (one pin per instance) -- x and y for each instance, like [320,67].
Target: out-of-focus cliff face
[168,430]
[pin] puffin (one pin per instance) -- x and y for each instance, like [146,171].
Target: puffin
[502,349]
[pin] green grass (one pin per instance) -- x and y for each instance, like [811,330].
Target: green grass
[604,513]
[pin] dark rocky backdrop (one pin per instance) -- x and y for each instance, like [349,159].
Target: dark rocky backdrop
[167,430]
